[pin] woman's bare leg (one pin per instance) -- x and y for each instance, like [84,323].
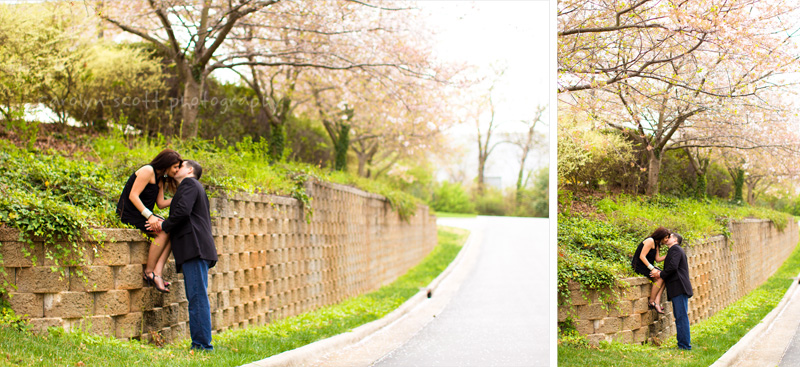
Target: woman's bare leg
[655,294]
[158,250]
[162,260]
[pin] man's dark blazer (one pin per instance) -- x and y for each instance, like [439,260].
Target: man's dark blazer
[189,224]
[676,273]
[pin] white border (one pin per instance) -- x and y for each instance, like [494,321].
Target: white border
[553,184]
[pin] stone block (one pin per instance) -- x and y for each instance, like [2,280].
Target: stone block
[177,293]
[625,336]
[40,279]
[139,252]
[584,327]
[98,325]
[632,322]
[608,325]
[114,302]
[183,311]
[14,254]
[30,304]
[113,253]
[153,320]
[128,277]
[144,299]
[128,325]
[595,339]
[640,335]
[98,279]
[640,305]
[41,325]
[591,312]
[171,314]
[68,304]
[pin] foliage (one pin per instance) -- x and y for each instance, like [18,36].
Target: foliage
[27,131]
[493,202]
[233,347]
[711,338]
[9,319]
[451,197]
[534,201]
[589,157]
[57,199]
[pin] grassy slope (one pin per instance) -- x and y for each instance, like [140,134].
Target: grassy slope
[235,347]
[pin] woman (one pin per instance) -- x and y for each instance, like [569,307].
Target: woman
[144,189]
[647,253]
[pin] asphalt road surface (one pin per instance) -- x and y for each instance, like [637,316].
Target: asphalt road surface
[499,315]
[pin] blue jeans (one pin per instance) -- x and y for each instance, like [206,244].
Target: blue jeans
[195,280]
[680,308]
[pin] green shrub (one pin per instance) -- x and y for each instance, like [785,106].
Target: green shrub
[452,198]
[492,202]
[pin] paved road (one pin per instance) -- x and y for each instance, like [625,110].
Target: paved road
[499,315]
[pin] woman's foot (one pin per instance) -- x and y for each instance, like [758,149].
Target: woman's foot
[156,281]
[658,308]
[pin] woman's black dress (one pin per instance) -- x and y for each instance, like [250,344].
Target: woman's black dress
[127,212]
[636,262]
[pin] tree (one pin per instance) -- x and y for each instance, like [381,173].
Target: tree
[297,51]
[736,70]
[384,122]
[189,33]
[526,142]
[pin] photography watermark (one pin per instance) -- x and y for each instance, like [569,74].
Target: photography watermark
[150,101]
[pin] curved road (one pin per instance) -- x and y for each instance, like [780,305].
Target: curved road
[499,314]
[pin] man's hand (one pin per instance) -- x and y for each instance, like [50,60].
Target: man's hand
[655,273]
[154,225]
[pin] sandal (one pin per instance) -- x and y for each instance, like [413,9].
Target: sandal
[658,308]
[151,280]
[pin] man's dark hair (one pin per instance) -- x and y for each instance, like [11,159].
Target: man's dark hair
[679,237]
[198,169]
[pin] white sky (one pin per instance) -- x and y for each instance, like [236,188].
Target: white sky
[513,33]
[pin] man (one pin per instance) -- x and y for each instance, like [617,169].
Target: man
[189,229]
[679,288]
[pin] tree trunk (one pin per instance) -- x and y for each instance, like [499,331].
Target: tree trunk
[654,169]
[340,147]
[738,182]
[481,169]
[362,163]
[192,94]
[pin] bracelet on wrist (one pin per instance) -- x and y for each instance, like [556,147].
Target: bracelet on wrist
[651,267]
[146,213]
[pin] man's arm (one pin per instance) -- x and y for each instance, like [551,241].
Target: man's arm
[181,207]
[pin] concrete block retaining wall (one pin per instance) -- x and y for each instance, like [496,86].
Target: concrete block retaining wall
[721,270]
[272,264]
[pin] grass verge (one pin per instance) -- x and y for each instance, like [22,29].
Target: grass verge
[710,338]
[236,347]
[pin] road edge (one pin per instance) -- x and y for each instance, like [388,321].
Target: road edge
[732,356]
[305,355]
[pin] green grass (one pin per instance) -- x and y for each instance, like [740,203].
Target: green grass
[454,215]
[236,347]
[710,338]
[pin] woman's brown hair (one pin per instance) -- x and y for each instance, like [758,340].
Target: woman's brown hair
[161,163]
[659,235]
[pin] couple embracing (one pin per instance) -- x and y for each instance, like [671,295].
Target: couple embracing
[674,276]
[187,231]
